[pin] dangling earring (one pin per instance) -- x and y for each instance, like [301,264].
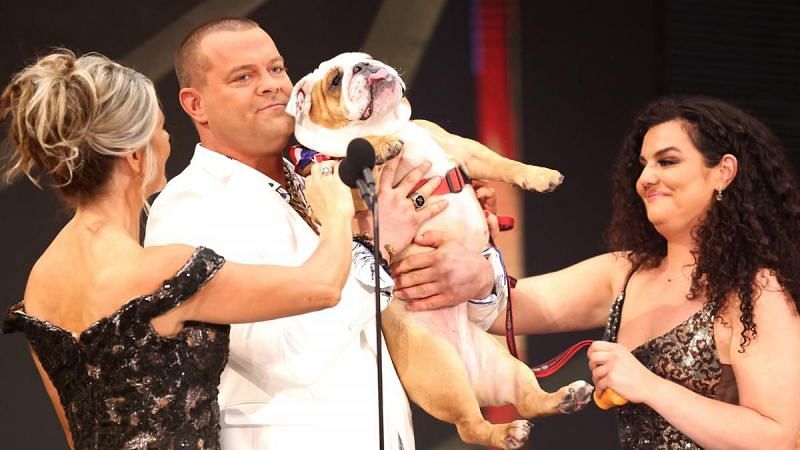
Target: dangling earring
[719,194]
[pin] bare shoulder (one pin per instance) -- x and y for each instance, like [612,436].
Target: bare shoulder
[612,268]
[158,263]
[138,271]
[773,311]
[619,263]
[772,298]
[75,285]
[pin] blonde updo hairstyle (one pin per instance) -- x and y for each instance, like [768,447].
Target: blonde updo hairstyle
[71,118]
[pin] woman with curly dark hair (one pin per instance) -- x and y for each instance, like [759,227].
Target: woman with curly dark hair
[700,291]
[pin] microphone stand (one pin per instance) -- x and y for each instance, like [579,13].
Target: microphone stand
[370,198]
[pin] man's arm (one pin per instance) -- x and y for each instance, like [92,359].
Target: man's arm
[451,274]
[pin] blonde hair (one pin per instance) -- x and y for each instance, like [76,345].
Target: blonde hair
[72,117]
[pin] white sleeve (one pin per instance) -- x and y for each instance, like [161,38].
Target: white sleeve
[483,312]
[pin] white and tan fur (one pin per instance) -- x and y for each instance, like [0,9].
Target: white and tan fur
[448,366]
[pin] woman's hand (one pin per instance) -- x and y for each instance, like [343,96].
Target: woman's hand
[487,196]
[613,366]
[328,196]
[400,217]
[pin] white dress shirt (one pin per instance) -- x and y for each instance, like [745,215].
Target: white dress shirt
[301,382]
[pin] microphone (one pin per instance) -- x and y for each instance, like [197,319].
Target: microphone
[355,169]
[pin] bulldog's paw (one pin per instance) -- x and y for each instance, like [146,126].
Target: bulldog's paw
[578,395]
[540,179]
[386,147]
[517,434]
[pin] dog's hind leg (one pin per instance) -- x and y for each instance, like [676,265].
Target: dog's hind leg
[435,379]
[522,389]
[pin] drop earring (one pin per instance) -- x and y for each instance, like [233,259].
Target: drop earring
[718,196]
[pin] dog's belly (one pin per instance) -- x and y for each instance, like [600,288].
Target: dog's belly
[453,325]
[463,220]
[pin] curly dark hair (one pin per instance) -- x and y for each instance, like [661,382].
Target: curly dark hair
[756,226]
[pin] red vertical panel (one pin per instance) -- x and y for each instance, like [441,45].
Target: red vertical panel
[496,118]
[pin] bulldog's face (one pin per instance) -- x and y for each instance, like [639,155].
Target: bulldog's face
[351,93]
[349,87]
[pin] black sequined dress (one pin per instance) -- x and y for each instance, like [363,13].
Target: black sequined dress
[686,355]
[122,385]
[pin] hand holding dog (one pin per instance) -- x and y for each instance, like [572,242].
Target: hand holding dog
[446,276]
[399,218]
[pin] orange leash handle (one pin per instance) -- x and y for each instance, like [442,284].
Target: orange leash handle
[608,399]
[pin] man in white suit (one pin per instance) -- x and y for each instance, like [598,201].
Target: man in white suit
[307,381]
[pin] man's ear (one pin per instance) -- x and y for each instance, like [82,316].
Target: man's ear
[728,168]
[192,102]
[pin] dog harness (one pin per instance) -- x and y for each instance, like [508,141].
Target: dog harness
[453,181]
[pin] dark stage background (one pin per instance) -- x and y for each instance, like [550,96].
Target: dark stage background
[584,69]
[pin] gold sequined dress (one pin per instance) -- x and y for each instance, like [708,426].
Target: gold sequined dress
[686,355]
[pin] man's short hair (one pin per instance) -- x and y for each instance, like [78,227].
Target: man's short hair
[190,63]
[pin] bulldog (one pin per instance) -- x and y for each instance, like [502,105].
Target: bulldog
[448,366]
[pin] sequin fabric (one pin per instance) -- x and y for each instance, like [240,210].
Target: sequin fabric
[122,385]
[686,355]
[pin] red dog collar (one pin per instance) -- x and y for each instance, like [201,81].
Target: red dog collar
[453,182]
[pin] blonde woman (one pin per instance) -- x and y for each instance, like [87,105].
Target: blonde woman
[130,342]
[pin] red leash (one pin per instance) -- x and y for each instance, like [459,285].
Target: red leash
[551,366]
[554,364]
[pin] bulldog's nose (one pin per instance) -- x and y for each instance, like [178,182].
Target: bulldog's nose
[362,66]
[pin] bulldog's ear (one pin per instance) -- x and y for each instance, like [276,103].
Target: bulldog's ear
[300,100]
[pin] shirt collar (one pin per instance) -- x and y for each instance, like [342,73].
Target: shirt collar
[221,166]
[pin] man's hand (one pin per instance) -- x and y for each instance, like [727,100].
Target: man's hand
[399,217]
[446,276]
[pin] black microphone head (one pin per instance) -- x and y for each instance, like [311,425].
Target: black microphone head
[348,174]
[360,156]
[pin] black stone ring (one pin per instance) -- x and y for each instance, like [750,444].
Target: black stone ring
[418,200]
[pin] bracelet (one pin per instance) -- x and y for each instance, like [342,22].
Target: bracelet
[390,250]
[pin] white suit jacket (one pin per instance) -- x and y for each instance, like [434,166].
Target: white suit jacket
[301,382]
